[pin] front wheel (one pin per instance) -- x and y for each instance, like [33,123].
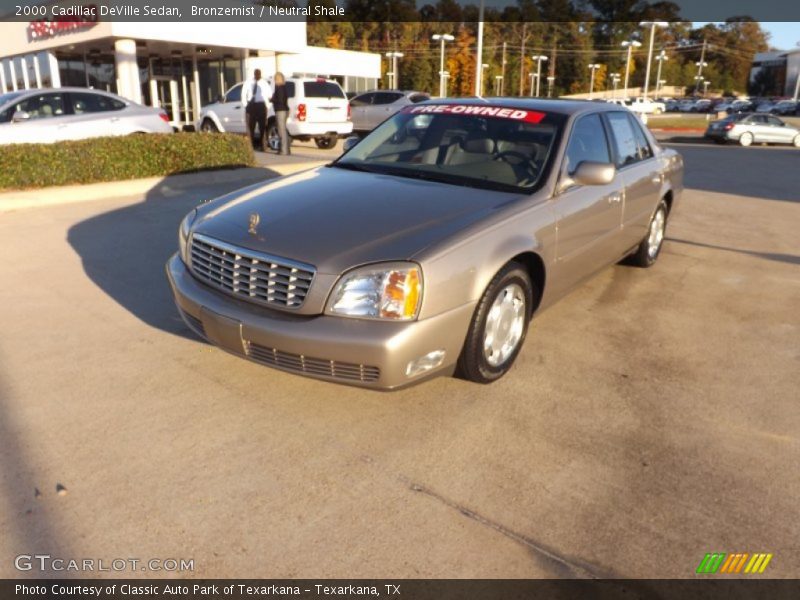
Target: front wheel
[273,139]
[746,139]
[650,247]
[326,142]
[796,141]
[208,126]
[498,326]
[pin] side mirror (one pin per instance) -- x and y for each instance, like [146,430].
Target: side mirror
[594,173]
[21,116]
[350,142]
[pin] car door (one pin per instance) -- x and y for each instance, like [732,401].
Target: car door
[47,120]
[640,173]
[588,218]
[231,112]
[95,115]
[359,108]
[779,132]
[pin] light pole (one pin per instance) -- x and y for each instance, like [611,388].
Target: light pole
[497,81]
[479,58]
[662,56]
[593,67]
[652,25]
[660,83]
[699,77]
[531,75]
[446,79]
[394,56]
[484,66]
[615,80]
[442,38]
[630,45]
[705,87]
[550,81]
[538,58]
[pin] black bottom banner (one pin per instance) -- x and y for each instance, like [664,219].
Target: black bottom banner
[406,589]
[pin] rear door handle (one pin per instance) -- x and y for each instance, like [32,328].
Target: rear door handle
[658,179]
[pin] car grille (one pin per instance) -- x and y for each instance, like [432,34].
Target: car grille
[250,275]
[299,363]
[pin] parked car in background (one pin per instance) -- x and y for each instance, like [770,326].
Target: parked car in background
[318,109]
[785,107]
[672,105]
[43,116]
[430,244]
[646,106]
[739,106]
[748,129]
[370,109]
[765,106]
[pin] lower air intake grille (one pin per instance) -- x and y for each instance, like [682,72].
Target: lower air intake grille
[299,363]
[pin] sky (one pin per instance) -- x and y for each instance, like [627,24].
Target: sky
[785,36]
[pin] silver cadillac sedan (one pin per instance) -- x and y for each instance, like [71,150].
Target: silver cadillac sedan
[430,244]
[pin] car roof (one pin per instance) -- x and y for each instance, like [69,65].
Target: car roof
[555,105]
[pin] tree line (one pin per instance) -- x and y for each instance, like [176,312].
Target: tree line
[572,35]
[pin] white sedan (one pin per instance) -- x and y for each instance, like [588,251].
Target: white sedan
[45,116]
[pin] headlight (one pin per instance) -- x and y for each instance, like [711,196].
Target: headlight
[384,291]
[183,234]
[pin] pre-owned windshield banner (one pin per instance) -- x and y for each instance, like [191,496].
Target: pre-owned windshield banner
[500,112]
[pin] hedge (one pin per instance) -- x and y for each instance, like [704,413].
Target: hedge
[119,158]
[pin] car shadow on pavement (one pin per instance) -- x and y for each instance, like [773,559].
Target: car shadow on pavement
[776,256]
[124,251]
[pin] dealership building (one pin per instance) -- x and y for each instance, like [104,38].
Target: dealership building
[776,73]
[177,66]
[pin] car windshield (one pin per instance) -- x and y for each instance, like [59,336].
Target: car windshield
[486,146]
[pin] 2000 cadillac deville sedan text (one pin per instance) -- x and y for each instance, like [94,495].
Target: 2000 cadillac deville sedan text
[428,246]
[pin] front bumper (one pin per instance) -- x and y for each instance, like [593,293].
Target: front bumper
[365,353]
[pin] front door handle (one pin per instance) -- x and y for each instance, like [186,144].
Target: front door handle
[614,198]
[658,179]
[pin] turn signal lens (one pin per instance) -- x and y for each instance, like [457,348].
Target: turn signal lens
[301,112]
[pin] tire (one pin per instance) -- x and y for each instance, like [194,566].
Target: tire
[649,248]
[505,308]
[746,139]
[273,140]
[796,141]
[657,111]
[326,142]
[208,126]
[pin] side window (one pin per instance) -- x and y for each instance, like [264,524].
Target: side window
[290,89]
[42,106]
[419,98]
[645,151]
[362,100]
[234,94]
[587,142]
[627,149]
[85,102]
[774,121]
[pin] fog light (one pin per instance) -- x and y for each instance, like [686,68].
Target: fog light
[425,363]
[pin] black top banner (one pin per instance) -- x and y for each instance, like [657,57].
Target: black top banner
[399,589]
[387,11]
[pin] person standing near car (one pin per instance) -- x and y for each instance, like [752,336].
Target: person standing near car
[280,103]
[255,93]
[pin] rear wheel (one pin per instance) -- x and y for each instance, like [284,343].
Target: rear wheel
[746,139]
[273,139]
[796,141]
[326,142]
[498,326]
[650,247]
[208,126]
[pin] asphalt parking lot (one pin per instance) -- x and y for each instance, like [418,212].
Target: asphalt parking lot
[652,417]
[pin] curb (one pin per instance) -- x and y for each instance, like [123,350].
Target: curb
[69,194]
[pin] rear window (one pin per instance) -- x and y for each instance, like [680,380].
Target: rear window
[322,89]
[419,98]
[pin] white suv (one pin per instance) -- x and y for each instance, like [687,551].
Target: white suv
[318,109]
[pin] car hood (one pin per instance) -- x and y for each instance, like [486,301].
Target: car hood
[336,219]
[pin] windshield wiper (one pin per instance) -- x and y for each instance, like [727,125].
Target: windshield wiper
[352,167]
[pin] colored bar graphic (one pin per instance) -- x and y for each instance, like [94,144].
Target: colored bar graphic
[756,563]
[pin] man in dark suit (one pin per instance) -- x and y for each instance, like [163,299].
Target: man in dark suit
[255,94]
